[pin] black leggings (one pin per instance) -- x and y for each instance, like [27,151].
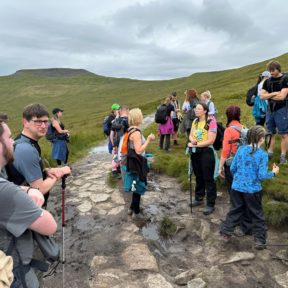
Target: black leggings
[167,141]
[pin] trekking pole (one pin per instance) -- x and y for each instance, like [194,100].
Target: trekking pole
[63,186]
[190,176]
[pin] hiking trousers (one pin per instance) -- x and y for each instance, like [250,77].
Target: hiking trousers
[167,141]
[203,163]
[252,202]
[245,221]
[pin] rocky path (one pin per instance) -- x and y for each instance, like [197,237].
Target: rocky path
[105,248]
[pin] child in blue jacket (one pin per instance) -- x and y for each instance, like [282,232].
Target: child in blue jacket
[249,168]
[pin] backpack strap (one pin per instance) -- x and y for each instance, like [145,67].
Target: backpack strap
[130,132]
[237,129]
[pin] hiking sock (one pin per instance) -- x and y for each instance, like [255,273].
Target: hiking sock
[270,155]
[283,159]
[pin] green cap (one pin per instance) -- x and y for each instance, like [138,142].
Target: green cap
[115,106]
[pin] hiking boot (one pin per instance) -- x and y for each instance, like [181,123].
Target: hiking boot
[196,203]
[139,217]
[176,142]
[283,160]
[130,212]
[226,238]
[260,245]
[208,210]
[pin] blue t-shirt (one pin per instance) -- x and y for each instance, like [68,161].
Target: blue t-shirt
[249,169]
[27,160]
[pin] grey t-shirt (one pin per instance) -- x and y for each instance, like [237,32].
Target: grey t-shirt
[27,159]
[17,213]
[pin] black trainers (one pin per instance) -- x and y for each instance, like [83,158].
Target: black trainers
[260,245]
[196,203]
[208,210]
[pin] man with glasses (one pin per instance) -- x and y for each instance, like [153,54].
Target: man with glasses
[27,152]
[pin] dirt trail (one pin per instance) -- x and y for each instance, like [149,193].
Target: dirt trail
[106,248]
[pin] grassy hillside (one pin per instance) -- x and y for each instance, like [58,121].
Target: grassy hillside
[87,98]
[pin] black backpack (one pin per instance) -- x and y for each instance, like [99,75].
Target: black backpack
[119,126]
[161,114]
[51,133]
[218,143]
[251,95]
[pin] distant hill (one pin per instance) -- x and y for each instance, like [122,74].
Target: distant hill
[87,97]
[53,72]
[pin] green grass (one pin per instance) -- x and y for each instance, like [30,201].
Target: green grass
[87,98]
[167,228]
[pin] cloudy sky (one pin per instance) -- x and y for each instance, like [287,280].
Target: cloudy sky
[142,39]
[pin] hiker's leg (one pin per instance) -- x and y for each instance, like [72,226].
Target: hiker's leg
[161,141]
[284,146]
[281,120]
[67,155]
[135,205]
[197,171]
[208,167]
[271,127]
[254,205]
[167,141]
[234,215]
[228,178]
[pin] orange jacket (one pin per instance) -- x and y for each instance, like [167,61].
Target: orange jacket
[230,134]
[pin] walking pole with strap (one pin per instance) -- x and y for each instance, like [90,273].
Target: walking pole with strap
[190,169]
[63,186]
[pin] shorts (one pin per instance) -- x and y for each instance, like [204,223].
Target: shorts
[277,121]
[175,124]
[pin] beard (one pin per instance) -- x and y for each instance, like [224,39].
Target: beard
[7,154]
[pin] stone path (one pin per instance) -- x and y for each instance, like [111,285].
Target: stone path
[106,249]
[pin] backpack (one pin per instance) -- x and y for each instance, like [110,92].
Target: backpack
[161,114]
[218,143]
[106,125]
[124,147]
[259,108]
[251,94]
[241,141]
[51,133]
[119,125]
[191,113]
[215,109]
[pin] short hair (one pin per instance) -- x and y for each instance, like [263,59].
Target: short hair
[3,117]
[135,117]
[233,113]
[124,108]
[207,94]
[35,110]
[273,65]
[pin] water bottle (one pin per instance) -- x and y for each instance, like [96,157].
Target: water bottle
[133,189]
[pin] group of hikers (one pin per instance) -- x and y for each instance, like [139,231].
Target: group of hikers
[25,182]
[243,163]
